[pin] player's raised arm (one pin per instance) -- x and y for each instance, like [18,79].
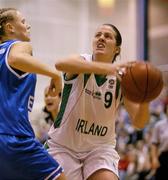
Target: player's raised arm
[141,84]
[20,57]
[77,65]
[138,112]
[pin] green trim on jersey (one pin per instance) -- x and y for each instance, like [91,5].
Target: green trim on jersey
[65,97]
[46,146]
[86,77]
[117,88]
[100,80]
[67,79]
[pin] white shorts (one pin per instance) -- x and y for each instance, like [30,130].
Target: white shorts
[79,166]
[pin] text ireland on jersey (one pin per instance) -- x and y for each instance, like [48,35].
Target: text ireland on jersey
[93,129]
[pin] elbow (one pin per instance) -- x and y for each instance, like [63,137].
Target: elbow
[59,66]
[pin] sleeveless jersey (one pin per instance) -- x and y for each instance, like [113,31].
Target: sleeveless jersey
[88,112]
[16,96]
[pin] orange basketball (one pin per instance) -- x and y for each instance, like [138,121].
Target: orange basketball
[142,82]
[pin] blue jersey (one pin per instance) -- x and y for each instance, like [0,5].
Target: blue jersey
[16,96]
[22,156]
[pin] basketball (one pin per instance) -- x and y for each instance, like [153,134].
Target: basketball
[142,82]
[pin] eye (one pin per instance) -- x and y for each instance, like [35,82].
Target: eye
[97,35]
[108,36]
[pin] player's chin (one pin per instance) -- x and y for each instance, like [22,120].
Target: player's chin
[50,108]
[100,52]
[26,38]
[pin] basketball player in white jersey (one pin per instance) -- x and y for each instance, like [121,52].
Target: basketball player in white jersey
[83,138]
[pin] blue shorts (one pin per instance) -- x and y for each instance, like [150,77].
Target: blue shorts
[26,159]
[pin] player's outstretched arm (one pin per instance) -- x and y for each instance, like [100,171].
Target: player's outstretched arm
[20,57]
[76,65]
[139,113]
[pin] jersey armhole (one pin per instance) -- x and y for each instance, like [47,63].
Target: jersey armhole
[16,72]
[66,79]
[85,57]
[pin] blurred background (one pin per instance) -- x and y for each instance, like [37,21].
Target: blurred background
[63,27]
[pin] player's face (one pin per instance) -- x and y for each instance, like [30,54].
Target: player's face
[21,29]
[104,43]
[51,102]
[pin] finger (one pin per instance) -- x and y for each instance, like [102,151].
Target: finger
[119,73]
[52,85]
[52,88]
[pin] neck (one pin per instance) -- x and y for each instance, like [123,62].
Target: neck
[4,39]
[102,58]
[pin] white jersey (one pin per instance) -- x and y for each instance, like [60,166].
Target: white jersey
[88,111]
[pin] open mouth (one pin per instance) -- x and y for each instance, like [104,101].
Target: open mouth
[49,104]
[100,46]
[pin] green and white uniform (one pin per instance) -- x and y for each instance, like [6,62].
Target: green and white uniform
[86,120]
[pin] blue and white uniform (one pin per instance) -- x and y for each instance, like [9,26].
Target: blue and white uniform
[22,157]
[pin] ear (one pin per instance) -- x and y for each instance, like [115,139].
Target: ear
[118,49]
[9,28]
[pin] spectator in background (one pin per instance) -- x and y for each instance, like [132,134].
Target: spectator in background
[143,160]
[159,147]
[42,119]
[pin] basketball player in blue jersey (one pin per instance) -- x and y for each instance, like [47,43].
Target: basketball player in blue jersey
[83,138]
[22,156]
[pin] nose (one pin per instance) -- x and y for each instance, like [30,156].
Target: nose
[101,38]
[47,97]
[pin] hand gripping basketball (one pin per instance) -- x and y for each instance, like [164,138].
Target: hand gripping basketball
[142,82]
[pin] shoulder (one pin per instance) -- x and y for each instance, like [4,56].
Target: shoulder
[20,46]
[87,57]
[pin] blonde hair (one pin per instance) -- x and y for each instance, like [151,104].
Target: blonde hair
[5,16]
